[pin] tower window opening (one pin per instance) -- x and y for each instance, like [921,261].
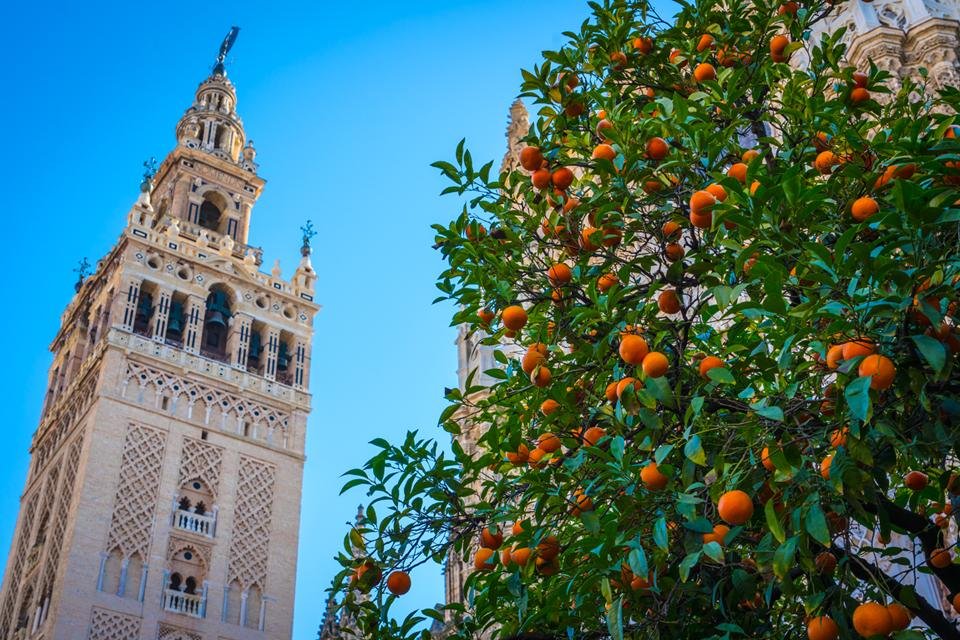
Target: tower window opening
[209,216]
[164,403]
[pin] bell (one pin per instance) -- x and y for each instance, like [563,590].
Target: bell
[283,358]
[175,324]
[216,318]
[145,307]
[256,347]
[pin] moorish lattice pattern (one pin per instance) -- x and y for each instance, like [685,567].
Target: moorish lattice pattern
[110,625]
[136,499]
[71,406]
[201,461]
[214,400]
[167,632]
[251,523]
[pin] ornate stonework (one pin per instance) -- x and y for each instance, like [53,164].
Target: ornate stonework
[110,625]
[136,501]
[252,519]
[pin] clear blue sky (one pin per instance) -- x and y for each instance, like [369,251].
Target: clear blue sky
[348,106]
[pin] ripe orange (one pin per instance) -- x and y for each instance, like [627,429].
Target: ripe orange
[549,406]
[834,356]
[710,362]
[520,456]
[872,619]
[717,191]
[657,149]
[549,548]
[738,171]
[520,555]
[484,559]
[702,202]
[643,45]
[604,152]
[899,615]
[652,478]
[856,348]
[655,365]
[864,208]
[940,558]
[514,317]
[559,274]
[858,95]
[611,392]
[587,238]
[398,583]
[790,7]
[486,315]
[720,532]
[541,178]
[633,349]
[606,282]
[754,186]
[670,229]
[735,507]
[622,384]
[668,301]
[825,161]
[562,178]
[541,377]
[705,42]
[704,72]
[531,158]
[956,602]
[582,502]
[915,480]
[777,46]
[838,437]
[548,442]
[531,360]
[593,435]
[882,370]
[825,467]
[822,628]
[749,155]
[765,459]
[674,252]
[491,538]
[701,220]
[674,54]
[518,527]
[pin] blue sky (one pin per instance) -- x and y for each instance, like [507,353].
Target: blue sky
[348,104]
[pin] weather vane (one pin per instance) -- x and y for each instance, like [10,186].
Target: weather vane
[225,46]
[308,233]
[82,271]
[149,168]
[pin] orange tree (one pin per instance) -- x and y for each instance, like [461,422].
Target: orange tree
[720,289]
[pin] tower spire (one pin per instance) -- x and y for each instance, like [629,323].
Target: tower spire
[219,69]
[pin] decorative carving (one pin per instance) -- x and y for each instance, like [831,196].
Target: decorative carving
[251,523]
[201,461]
[169,632]
[517,129]
[136,499]
[57,533]
[176,545]
[110,625]
[221,177]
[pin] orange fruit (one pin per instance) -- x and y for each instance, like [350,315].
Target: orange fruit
[674,252]
[491,538]
[825,467]
[593,435]
[604,152]
[514,317]
[541,377]
[562,178]
[674,54]
[548,442]
[748,156]
[834,356]
[587,238]
[398,583]
[520,456]
[915,480]
[899,615]
[720,532]
[765,459]
[518,527]
[657,149]
[738,171]
[484,559]
[643,45]
[717,191]
[655,365]
[790,7]
[531,360]
[857,348]
[702,202]
[668,301]
[754,186]
[858,95]
[704,72]
[701,220]
[486,315]
[882,370]
[549,406]
[531,158]
[735,507]
[622,384]
[541,178]
[652,478]
[838,437]
[872,619]
[940,558]
[582,502]
[822,628]
[956,602]
[633,349]
[825,161]
[611,392]
[710,362]
[520,556]
[549,548]
[670,229]
[606,282]
[864,208]
[705,42]
[777,46]
[559,274]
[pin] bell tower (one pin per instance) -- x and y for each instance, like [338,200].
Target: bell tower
[163,495]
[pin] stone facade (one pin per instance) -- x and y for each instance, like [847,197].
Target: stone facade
[163,496]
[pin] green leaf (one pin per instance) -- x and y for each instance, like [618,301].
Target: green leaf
[770,413]
[694,450]
[783,557]
[615,619]
[773,521]
[721,375]
[591,521]
[857,395]
[932,350]
[660,536]
[714,551]
[816,525]
[687,564]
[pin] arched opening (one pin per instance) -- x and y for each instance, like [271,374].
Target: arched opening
[23,618]
[234,599]
[209,216]
[256,353]
[176,321]
[145,309]
[195,512]
[111,572]
[285,353]
[184,592]
[254,598]
[216,324]
[131,586]
[176,580]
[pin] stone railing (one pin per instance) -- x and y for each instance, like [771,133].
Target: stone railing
[203,525]
[187,604]
[218,370]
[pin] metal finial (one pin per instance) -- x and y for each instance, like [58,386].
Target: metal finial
[149,170]
[82,270]
[308,233]
[225,46]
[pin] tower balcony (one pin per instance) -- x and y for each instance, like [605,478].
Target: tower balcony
[187,604]
[204,525]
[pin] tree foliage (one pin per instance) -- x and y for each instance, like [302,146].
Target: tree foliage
[801,299]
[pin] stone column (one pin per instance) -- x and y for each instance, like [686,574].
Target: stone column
[272,349]
[161,315]
[196,306]
[238,341]
[301,359]
[126,303]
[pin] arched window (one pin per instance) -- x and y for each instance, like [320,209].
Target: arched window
[175,581]
[209,216]
[215,323]
[131,587]
[234,600]
[111,572]
[254,598]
